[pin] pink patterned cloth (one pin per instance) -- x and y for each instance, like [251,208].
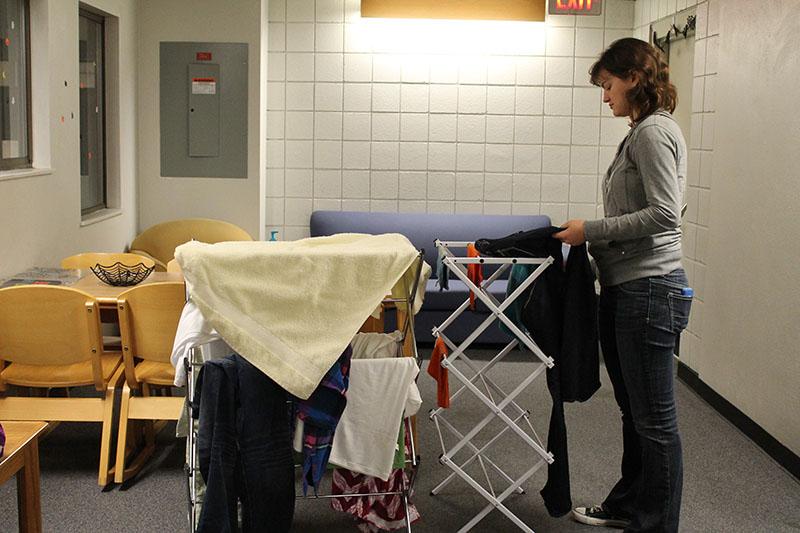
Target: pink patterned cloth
[374,513]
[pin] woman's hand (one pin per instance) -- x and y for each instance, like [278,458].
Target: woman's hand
[572,233]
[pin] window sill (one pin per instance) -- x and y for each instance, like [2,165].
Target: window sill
[22,173]
[99,216]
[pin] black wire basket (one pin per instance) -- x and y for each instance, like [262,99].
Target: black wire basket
[120,275]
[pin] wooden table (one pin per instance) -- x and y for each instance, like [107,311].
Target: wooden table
[107,294]
[21,457]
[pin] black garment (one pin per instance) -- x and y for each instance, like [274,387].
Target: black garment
[244,447]
[560,314]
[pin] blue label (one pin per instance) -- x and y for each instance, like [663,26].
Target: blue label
[687,291]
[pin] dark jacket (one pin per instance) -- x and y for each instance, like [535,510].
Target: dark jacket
[560,313]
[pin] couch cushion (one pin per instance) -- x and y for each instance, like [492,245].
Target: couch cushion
[422,229]
[457,293]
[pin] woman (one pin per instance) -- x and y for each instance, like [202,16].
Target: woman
[644,299]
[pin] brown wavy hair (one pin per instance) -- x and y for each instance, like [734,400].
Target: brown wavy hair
[633,57]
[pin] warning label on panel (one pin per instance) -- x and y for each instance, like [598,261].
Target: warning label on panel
[204,86]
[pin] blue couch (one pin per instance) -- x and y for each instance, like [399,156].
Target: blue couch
[422,229]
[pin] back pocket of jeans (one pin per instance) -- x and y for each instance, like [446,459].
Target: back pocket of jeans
[679,308]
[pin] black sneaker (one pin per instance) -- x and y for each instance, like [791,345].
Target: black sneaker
[597,516]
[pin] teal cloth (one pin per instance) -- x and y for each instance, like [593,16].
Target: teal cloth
[518,274]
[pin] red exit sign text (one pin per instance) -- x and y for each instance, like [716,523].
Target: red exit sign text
[574,7]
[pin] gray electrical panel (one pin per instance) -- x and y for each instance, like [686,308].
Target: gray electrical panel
[203,103]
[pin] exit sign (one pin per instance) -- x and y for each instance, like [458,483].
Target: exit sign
[574,7]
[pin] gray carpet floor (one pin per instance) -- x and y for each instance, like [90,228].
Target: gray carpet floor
[730,485]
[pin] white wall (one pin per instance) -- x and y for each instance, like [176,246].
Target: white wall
[752,349]
[41,214]
[236,200]
[739,233]
[441,116]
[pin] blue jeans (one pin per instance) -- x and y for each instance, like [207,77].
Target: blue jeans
[244,447]
[640,321]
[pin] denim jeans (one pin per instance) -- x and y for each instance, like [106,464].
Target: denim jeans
[640,321]
[244,449]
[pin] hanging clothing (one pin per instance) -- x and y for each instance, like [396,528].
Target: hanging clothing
[378,398]
[474,273]
[439,373]
[193,330]
[320,414]
[244,448]
[442,272]
[374,513]
[560,314]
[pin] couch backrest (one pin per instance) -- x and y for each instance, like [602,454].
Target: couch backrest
[422,229]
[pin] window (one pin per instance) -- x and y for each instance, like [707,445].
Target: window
[15,113]
[91,35]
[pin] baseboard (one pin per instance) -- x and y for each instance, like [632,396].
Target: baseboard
[780,453]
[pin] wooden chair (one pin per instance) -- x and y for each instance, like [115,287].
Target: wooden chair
[90,259]
[160,241]
[84,261]
[148,318]
[50,337]
[173,266]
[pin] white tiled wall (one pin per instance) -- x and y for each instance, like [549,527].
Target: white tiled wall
[701,153]
[438,116]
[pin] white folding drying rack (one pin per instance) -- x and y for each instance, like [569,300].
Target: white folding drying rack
[502,405]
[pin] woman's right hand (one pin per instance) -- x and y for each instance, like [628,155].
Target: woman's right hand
[572,233]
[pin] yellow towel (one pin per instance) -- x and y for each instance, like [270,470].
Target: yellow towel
[291,307]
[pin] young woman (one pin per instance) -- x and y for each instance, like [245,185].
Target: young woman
[644,300]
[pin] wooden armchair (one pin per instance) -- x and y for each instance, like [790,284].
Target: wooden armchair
[148,318]
[159,241]
[50,337]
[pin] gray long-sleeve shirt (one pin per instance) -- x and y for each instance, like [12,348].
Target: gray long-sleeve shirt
[643,192]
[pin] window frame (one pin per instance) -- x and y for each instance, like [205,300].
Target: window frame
[85,11]
[16,163]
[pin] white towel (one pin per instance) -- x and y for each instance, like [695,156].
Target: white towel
[291,308]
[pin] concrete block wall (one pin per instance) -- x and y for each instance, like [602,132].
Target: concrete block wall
[436,116]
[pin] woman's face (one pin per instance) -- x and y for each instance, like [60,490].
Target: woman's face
[615,91]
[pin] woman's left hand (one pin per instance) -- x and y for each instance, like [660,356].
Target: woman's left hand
[572,233]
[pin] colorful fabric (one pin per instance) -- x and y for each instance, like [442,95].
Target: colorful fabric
[439,373]
[320,414]
[373,513]
[474,273]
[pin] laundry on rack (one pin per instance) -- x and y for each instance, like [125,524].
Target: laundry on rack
[384,512]
[320,414]
[376,345]
[382,392]
[244,448]
[442,272]
[474,273]
[560,313]
[325,284]
[439,373]
[193,330]
[378,400]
